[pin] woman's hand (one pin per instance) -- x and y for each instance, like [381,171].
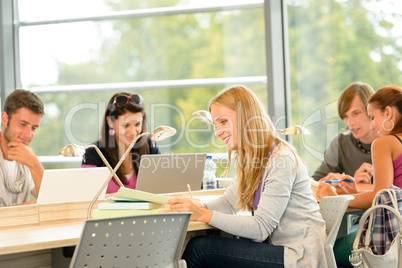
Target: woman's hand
[364,173]
[343,187]
[325,189]
[348,187]
[332,177]
[185,205]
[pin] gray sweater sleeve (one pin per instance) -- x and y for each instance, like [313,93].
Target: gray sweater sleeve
[343,156]
[287,212]
[330,162]
[279,179]
[227,202]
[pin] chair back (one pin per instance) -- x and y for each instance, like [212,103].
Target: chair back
[138,241]
[332,209]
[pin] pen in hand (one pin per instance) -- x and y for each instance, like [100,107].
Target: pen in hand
[189,191]
[337,181]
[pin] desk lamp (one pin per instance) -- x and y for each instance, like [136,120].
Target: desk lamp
[294,130]
[159,133]
[205,117]
[73,150]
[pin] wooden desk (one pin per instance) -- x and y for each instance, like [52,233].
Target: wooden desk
[50,236]
[31,246]
[30,243]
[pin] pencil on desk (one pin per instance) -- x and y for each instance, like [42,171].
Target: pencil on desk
[189,191]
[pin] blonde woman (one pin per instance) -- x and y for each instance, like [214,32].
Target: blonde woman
[285,228]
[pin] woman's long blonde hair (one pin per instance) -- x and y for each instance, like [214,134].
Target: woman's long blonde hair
[256,136]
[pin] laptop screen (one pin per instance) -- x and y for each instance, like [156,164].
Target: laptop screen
[169,173]
[72,185]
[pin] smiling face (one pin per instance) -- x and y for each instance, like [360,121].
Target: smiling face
[127,127]
[358,122]
[20,126]
[225,122]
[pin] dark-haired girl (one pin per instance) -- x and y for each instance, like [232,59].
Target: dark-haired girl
[123,121]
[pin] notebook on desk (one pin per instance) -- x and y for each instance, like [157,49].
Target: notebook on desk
[169,173]
[72,185]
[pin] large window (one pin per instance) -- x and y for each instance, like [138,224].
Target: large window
[333,43]
[176,54]
[296,55]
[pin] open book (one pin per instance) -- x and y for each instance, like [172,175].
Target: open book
[130,202]
[110,204]
[126,194]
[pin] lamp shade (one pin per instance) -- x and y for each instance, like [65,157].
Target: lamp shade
[162,132]
[203,116]
[72,150]
[294,130]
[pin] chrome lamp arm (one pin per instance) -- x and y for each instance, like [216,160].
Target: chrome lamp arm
[76,150]
[159,133]
[106,163]
[113,172]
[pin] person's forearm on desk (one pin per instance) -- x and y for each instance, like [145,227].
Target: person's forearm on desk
[200,213]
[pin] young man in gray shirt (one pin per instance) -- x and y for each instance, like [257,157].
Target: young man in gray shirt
[349,153]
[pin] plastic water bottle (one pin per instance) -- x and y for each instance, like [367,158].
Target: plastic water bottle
[209,180]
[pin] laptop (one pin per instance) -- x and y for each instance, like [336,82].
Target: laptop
[169,173]
[72,185]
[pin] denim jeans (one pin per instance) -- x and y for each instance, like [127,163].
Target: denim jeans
[218,251]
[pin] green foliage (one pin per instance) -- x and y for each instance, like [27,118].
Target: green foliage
[188,46]
[332,43]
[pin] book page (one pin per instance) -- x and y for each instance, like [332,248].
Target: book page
[137,195]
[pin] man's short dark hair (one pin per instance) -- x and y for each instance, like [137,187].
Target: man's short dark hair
[21,98]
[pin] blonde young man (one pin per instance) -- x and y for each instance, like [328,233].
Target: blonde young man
[20,170]
[349,153]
